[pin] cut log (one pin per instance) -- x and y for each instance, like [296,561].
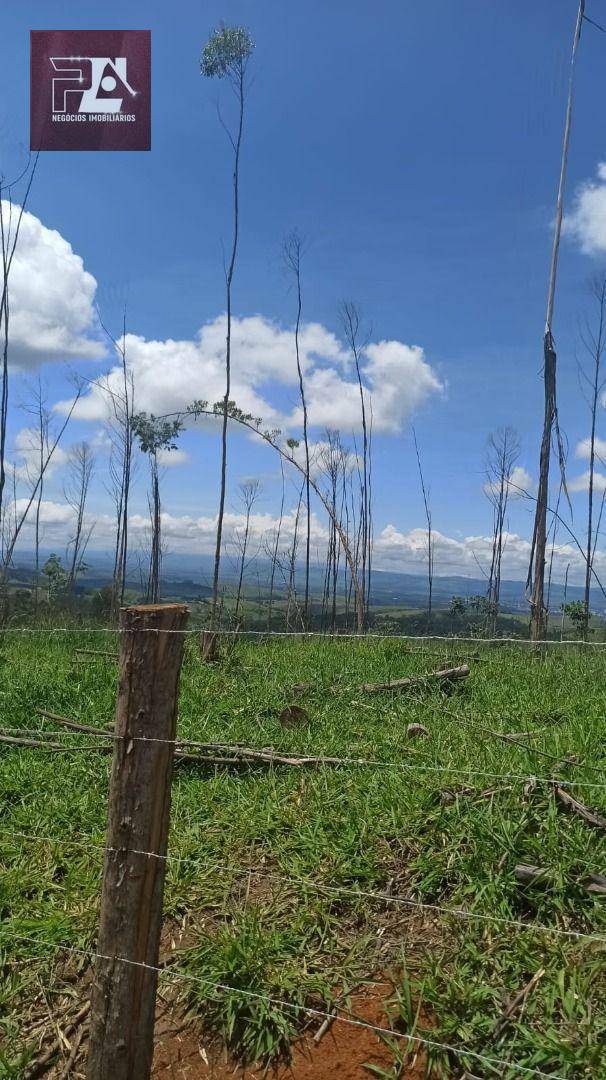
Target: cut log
[445,675]
[417,731]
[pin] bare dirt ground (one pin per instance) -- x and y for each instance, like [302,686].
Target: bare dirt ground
[342,1053]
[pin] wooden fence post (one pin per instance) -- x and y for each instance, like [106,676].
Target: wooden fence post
[123,995]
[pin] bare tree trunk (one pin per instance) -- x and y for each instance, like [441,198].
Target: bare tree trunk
[9,238]
[350,318]
[228,282]
[503,452]
[274,553]
[430,544]
[249,492]
[594,343]
[156,537]
[293,249]
[81,467]
[536,573]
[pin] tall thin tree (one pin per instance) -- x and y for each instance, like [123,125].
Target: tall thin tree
[249,493]
[536,572]
[226,55]
[80,470]
[593,382]
[430,539]
[502,455]
[293,251]
[351,324]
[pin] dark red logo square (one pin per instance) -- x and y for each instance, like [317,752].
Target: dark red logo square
[90,90]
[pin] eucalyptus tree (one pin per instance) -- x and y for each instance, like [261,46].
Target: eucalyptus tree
[593,382]
[155,434]
[292,253]
[39,438]
[11,219]
[226,56]
[357,342]
[80,469]
[430,537]
[249,493]
[501,457]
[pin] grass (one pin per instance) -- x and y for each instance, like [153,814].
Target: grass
[248,843]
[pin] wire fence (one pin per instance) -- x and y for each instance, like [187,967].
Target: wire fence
[324,635]
[108,739]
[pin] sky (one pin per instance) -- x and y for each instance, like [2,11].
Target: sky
[416,149]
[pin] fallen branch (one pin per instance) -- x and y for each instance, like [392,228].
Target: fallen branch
[39,1065]
[224,754]
[516,1002]
[53,748]
[579,808]
[74,725]
[96,652]
[445,675]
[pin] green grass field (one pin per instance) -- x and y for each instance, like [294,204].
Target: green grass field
[441,820]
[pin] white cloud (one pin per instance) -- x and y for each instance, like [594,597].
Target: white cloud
[51,298]
[583,448]
[520,482]
[408,551]
[586,223]
[581,483]
[169,375]
[169,458]
[26,449]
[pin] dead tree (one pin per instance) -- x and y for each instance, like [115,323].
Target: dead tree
[592,383]
[226,55]
[430,540]
[80,467]
[272,550]
[535,583]
[11,218]
[502,455]
[249,493]
[121,464]
[350,321]
[34,456]
[13,527]
[293,250]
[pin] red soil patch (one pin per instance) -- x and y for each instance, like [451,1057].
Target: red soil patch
[342,1053]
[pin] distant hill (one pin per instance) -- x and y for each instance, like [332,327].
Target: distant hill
[190,576]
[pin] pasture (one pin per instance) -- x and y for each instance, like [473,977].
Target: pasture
[291,887]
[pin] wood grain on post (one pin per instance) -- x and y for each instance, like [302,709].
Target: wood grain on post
[123,995]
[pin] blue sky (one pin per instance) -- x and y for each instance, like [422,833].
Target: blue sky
[417,149]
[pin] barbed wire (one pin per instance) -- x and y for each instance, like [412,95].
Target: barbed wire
[325,635]
[339,890]
[309,1010]
[302,756]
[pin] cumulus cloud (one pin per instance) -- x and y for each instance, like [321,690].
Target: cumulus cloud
[586,222]
[169,374]
[520,482]
[581,483]
[583,448]
[26,449]
[51,298]
[394,549]
[169,458]
[408,551]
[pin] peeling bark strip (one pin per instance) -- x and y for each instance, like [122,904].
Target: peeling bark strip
[123,996]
